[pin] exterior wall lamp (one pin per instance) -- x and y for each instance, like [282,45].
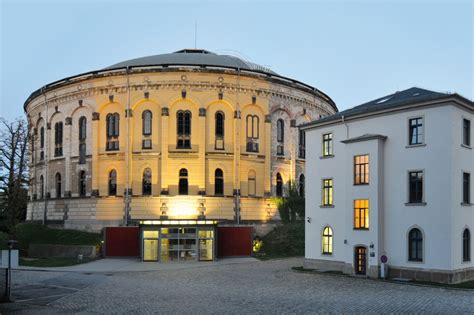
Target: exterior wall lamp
[164,209]
[202,209]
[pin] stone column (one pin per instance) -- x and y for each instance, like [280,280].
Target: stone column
[268,155]
[95,153]
[202,151]
[67,160]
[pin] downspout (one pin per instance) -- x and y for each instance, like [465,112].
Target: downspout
[127,154]
[46,163]
[347,127]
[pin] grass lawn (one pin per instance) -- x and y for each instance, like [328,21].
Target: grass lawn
[52,261]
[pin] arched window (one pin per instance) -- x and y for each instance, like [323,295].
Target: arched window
[41,187]
[280,136]
[183,123]
[327,241]
[466,245]
[113,131]
[219,131]
[146,129]
[279,185]
[252,183]
[252,128]
[58,185]
[58,139]
[146,183]
[218,182]
[82,139]
[113,183]
[42,143]
[415,245]
[301,185]
[183,181]
[82,183]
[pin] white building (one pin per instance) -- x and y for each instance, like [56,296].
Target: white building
[393,177]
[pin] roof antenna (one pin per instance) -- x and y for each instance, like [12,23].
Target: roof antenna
[195,33]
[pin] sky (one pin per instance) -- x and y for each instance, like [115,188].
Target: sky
[354,51]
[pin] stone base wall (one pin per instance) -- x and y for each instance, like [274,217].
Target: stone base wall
[326,265]
[441,276]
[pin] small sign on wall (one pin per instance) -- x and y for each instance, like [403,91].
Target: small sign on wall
[4,258]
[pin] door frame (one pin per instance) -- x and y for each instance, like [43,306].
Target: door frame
[356,260]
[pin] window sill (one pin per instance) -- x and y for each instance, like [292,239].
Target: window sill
[326,254]
[326,156]
[416,145]
[326,206]
[466,146]
[415,204]
[360,229]
[415,262]
[464,204]
[363,184]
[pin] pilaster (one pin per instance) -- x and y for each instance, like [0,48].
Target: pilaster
[165,173]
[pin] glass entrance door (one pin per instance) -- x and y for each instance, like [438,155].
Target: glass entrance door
[150,245]
[178,244]
[206,244]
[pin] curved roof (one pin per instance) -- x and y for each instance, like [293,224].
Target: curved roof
[193,57]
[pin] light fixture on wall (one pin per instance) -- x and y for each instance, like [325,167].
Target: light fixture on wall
[269,210]
[163,209]
[308,219]
[201,209]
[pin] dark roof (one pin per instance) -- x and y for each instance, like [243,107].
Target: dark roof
[193,57]
[398,99]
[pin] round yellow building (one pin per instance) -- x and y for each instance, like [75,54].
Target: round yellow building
[186,135]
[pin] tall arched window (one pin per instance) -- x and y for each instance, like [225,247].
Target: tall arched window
[42,143]
[415,245]
[113,131]
[280,136]
[183,181]
[113,183]
[41,187]
[301,185]
[219,131]
[279,185]
[183,123]
[82,139]
[82,183]
[252,127]
[466,245]
[218,182]
[252,179]
[146,129]
[327,241]
[58,185]
[146,182]
[58,139]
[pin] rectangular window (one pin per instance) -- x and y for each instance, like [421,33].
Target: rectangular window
[466,132]
[415,187]
[327,192]
[466,188]
[327,144]
[361,214]
[416,131]
[361,170]
[302,145]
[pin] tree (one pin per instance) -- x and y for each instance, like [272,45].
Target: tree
[291,207]
[13,172]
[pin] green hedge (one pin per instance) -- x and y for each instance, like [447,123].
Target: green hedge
[28,233]
[286,240]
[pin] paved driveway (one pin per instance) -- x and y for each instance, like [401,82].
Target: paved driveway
[269,287]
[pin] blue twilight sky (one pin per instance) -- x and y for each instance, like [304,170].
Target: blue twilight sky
[354,51]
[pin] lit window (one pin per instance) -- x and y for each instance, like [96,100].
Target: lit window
[466,188]
[415,245]
[415,131]
[466,132]
[361,214]
[327,192]
[415,187]
[361,170]
[466,245]
[327,144]
[327,241]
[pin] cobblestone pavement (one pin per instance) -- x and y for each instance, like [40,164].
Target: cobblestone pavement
[269,287]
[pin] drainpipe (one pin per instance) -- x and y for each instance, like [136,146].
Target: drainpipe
[347,127]
[46,162]
[127,153]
